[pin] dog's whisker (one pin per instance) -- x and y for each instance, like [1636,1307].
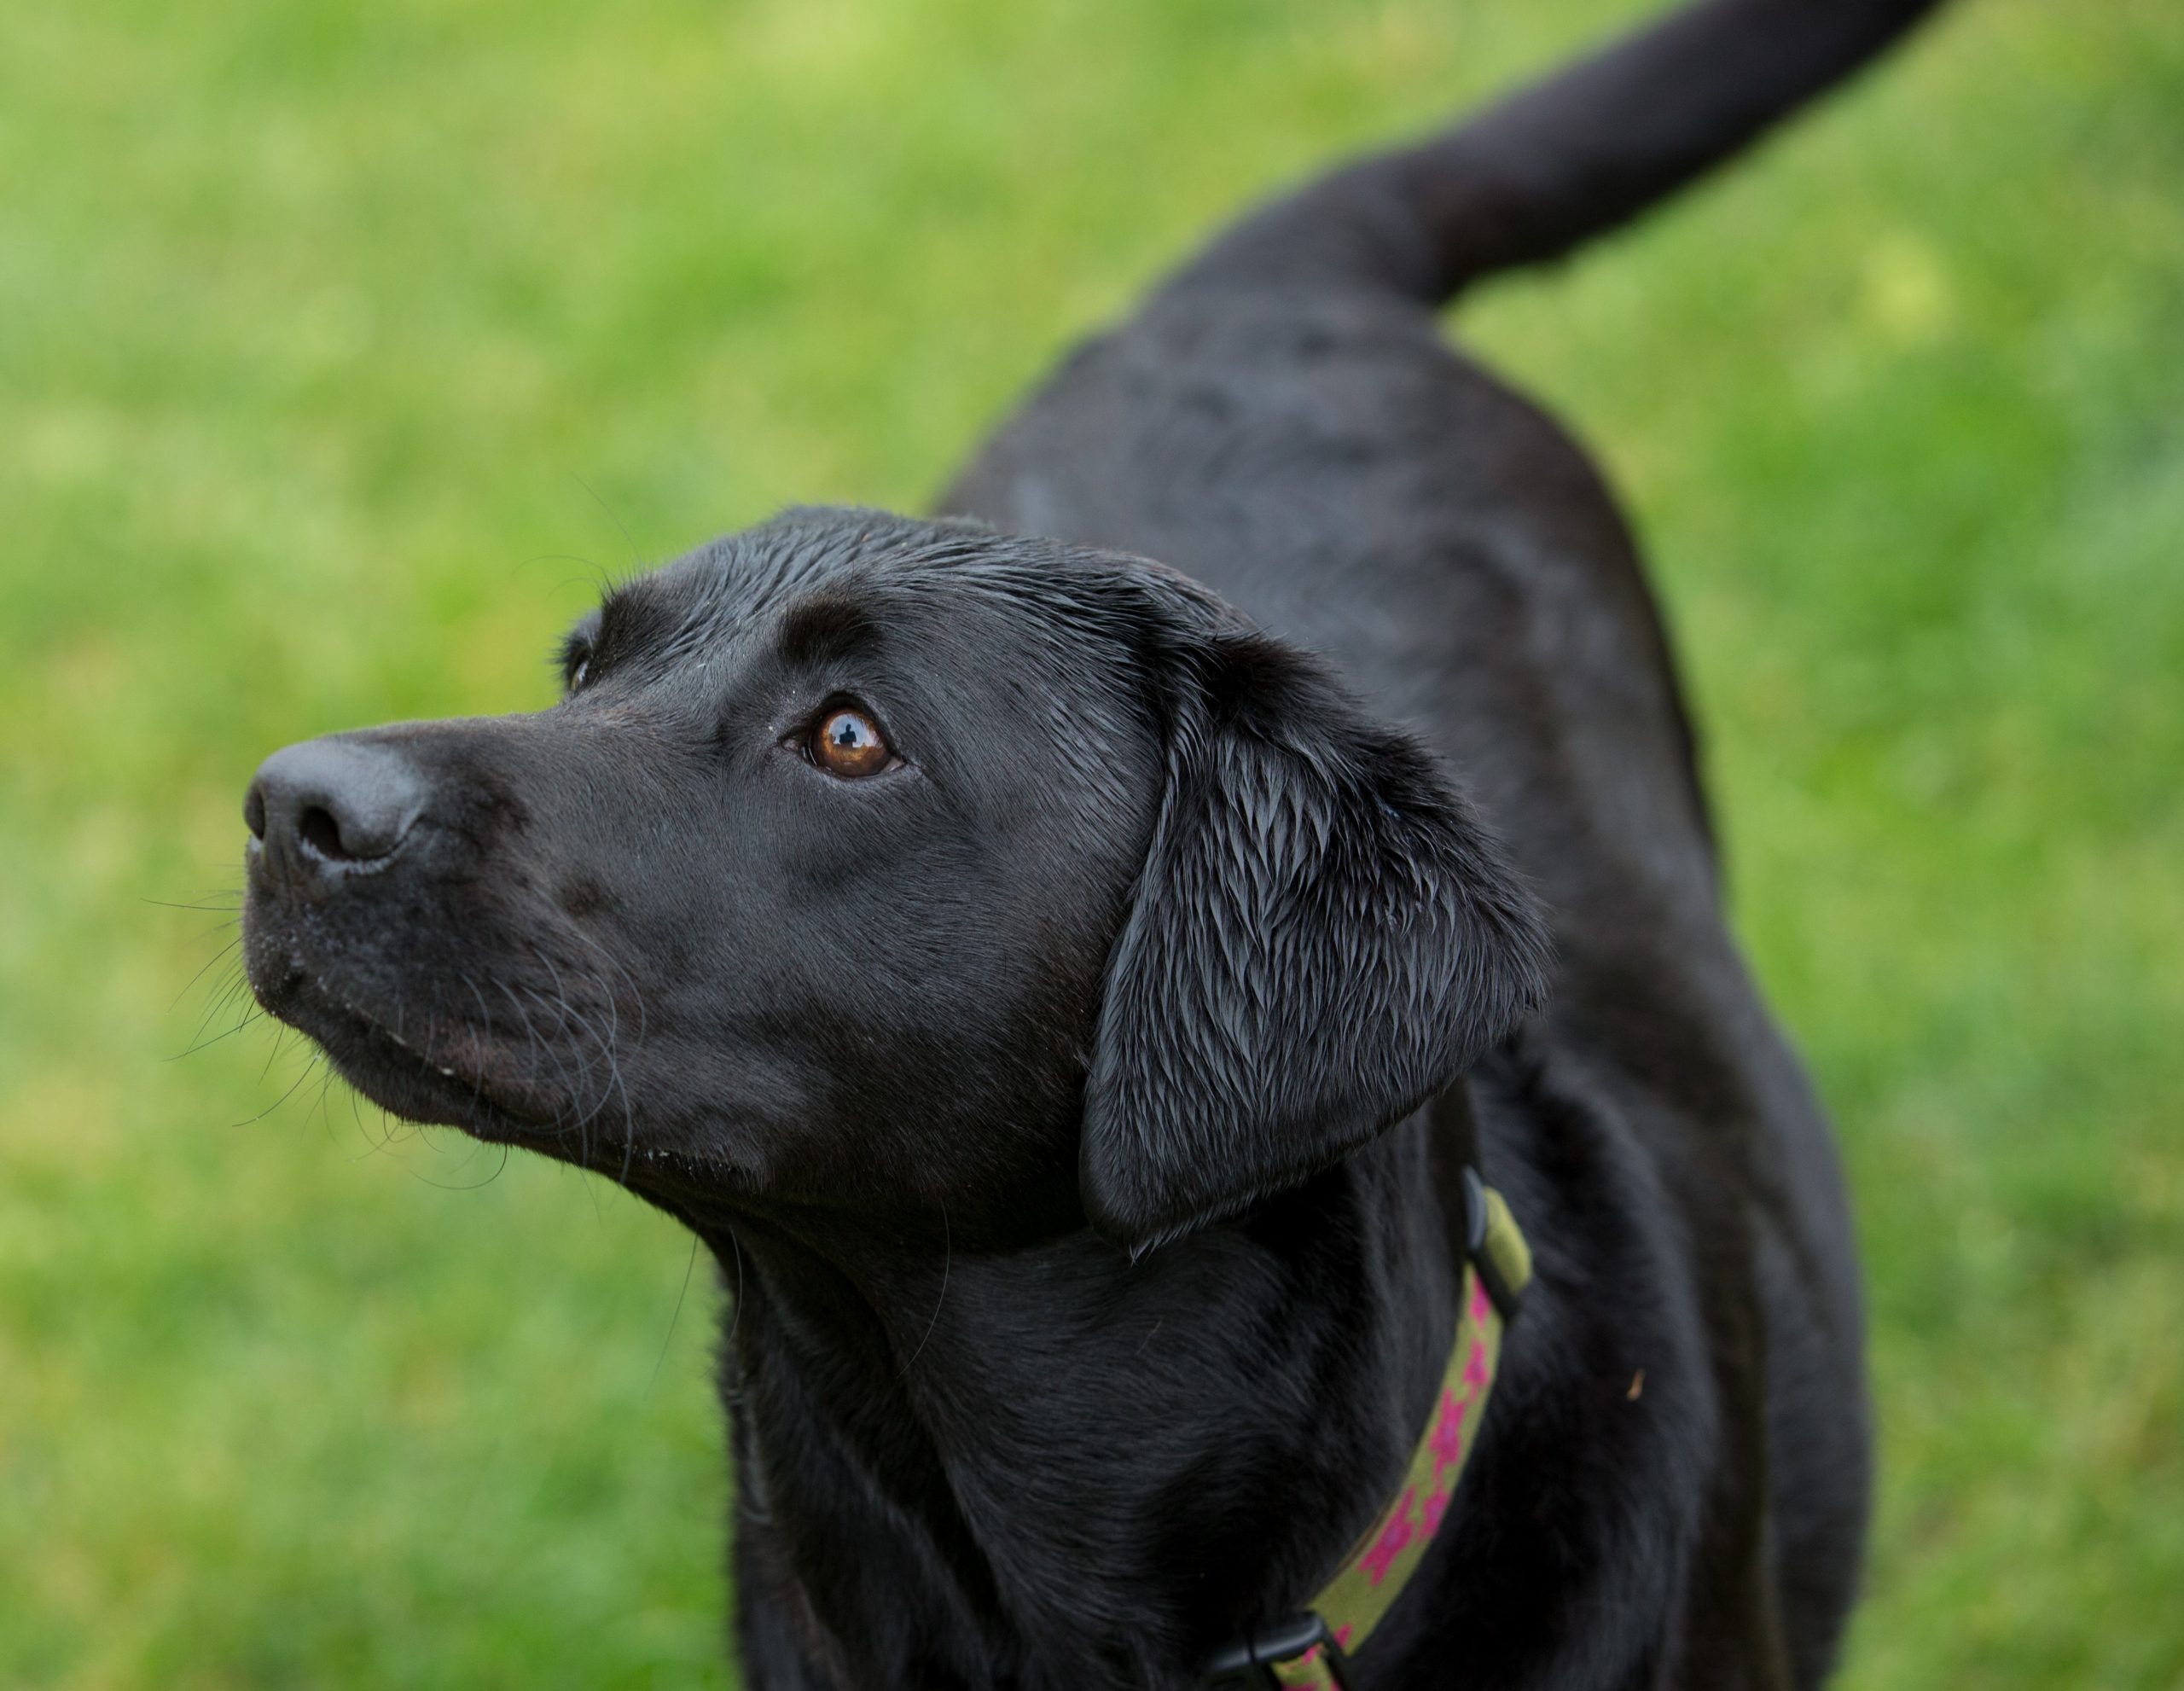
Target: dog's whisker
[566,1023]
[636,558]
[581,1029]
[558,1053]
[308,1068]
[217,958]
[523,1020]
[621,970]
[675,1314]
[619,1087]
[237,988]
[486,1020]
[279,1043]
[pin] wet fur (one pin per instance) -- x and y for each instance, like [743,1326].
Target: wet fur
[1075,1112]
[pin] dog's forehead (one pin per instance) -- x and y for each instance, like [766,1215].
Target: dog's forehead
[814,582]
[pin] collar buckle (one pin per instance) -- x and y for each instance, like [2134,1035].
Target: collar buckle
[1303,1645]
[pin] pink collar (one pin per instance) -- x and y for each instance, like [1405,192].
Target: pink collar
[1311,1653]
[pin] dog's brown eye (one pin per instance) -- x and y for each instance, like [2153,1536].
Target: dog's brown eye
[848,744]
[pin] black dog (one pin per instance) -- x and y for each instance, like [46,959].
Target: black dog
[1073,1015]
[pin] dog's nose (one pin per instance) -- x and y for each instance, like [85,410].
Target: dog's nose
[329,807]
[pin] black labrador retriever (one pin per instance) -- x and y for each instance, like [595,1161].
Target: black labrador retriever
[1084,1001]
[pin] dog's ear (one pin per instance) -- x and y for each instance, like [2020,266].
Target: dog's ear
[1323,936]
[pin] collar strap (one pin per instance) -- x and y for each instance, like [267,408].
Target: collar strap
[1311,1652]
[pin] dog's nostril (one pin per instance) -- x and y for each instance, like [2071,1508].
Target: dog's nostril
[331,806]
[317,829]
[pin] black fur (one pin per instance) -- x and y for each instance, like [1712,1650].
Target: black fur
[1321,939]
[1076,1105]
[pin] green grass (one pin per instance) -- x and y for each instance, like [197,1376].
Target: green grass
[341,347]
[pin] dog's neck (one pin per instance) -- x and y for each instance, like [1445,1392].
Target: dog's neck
[1053,1463]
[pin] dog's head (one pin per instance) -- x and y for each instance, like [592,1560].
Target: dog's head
[869,865]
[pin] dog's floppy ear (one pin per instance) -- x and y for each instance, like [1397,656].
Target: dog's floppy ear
[1323,936]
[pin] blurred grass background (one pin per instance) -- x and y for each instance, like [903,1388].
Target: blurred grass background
[341,347]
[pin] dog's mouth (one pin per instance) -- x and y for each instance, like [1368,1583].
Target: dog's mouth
[506,1081]
[441,1071]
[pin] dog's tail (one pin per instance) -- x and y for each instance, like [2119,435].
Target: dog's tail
[1571,158]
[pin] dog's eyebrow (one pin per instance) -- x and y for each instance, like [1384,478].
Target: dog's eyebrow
[826,625]
[629,620]
[580,639]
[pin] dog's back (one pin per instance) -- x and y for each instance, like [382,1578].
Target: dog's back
[1284,422]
